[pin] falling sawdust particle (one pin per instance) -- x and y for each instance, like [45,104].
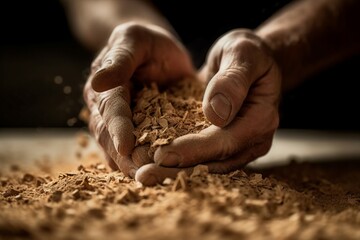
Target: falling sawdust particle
[161,116]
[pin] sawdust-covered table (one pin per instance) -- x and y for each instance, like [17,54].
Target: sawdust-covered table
[54,184]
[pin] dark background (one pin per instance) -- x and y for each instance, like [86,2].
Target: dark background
[38,49]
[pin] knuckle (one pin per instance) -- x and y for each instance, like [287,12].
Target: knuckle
[129,28]
[107,100]
[237,78]
[245,39]
[94,66]
[102,102]
[119,30]
[122,55]
[134,28]
[112,103]
[247,47]
[242,45]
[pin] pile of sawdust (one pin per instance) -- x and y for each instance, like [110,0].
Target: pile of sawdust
[161,116]
[300,201]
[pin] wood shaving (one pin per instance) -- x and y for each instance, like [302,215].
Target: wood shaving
[161,116]
[299,201]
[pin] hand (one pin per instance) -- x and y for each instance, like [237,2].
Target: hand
[241,100]
[134,53]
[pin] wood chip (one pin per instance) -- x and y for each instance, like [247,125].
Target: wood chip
[162,116]
[269,204]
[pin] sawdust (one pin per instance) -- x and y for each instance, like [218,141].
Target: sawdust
[299,201]
[161,116]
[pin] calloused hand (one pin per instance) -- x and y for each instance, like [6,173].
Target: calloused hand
[241,101]
[135,52]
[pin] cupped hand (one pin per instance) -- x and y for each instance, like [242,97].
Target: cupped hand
[241,101]
[135,52]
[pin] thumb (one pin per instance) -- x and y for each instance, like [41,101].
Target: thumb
[237,61]
[225,94]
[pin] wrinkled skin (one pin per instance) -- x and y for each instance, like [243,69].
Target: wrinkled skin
[241,101]
[133,53]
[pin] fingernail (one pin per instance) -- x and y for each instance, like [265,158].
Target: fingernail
[170,159]
[221,106]
[104,65]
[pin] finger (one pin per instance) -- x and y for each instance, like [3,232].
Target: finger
[224,95]
[228,88]
[240,159]
[140,156]
[120,61]
[126,166]
[114,107]
[210,144]
[98,128]
[123,163]
[152,174]
[255,125]
[111,162]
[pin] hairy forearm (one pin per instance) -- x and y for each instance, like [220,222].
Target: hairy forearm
[92,21]
[309,35]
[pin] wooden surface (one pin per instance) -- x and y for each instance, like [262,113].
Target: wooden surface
[29,146]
